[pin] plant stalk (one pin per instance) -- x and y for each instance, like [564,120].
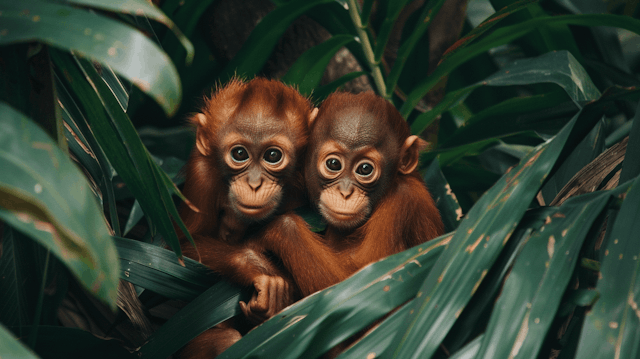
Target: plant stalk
[376,72]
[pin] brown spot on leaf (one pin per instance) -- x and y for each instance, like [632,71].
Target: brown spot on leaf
[522,335]
[472,247]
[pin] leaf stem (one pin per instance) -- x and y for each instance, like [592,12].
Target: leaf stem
[376,72]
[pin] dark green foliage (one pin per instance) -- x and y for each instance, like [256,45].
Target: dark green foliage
[531,95]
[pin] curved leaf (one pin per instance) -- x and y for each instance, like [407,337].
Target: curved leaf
[560,68]
[44,195]
[157,269]
[445,199]
[323,91]
[122,145]
[308,69]
[528,307]
[630,167]
[140,8]
[390,16]
[429,11]
[257,49]
[212,307]
[323,320]
[505,35]
[612,327]
[125,49]
[473,249]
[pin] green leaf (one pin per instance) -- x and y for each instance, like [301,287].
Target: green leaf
[505,35]
[532,293]
[126,50]
[85,147]
[469,351]
[474,318]
[11,347]
[45,196]
[445,199]
[212,307]
[142,8]
[585,152]
[429,11]
[308,69]
[334,17]
[560,68]
[631,168]
[487,24]
[473,249]
[324,319]
[377,341]
[258,47]
[119,140]
[544,39]
[384,32]
[545,113]
[323,91]
[612,327]
[157,269]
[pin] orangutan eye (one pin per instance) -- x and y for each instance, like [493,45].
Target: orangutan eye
[365,169]
[239,154]
[333,164]
[273,155]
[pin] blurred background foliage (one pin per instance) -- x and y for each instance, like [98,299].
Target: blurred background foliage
[529,107]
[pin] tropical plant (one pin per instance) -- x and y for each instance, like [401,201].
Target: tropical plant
[533,122]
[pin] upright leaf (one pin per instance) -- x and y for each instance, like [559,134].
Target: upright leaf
[122,145]
[612,327]
[473,249]
[527,308]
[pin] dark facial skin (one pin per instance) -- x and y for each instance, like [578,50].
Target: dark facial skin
[257,154]
[355,156]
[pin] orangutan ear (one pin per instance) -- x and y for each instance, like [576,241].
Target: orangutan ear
[410,154]
[200,120]
[314,114]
